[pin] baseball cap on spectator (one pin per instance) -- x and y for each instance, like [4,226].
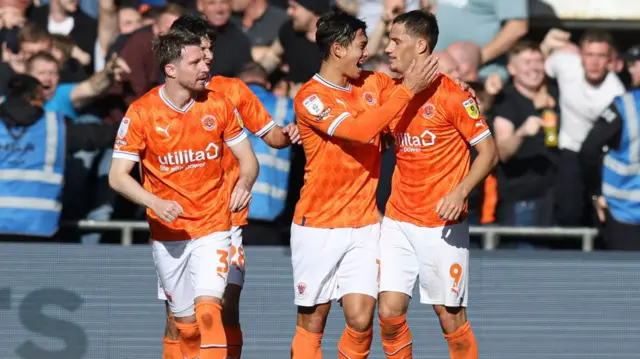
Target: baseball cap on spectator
[633,54]
[317,7]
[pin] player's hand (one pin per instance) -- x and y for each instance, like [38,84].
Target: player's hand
[465,87]
[421,73]
[240,197]
[451,206]
[292,131]
[600,203]
[168,211]
[493,85]
[530,127]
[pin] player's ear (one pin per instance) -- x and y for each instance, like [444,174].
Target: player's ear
[170,70]
[422,46]
[337,50]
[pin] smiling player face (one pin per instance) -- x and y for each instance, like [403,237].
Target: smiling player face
[355,55]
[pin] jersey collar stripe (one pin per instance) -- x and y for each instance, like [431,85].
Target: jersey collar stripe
[329,84]
[172,106]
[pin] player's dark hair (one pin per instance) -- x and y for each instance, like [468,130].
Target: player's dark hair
[337,27]
[418,23]
[195,25]
[168,47]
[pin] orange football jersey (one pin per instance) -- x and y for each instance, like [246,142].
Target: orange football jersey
[341,176]
[432,138]
[180,154]
[253,116]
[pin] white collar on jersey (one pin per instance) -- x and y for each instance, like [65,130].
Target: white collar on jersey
[172,106]
[330,85]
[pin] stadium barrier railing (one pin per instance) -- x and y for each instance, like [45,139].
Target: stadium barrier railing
[490,235]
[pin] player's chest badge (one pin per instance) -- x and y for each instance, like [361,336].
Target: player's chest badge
[209,122]
[428,110]
[369,98]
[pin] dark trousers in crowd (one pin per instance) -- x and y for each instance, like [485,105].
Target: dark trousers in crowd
[620,236]
[572,208]
[536,212]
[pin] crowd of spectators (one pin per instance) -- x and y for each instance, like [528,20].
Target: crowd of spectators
[94,58]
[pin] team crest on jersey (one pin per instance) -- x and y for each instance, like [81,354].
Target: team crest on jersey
[369,98]
[124,127]
[238,117]
[472,108]
[301,290]
[428,111]
[209,122]
[313,105]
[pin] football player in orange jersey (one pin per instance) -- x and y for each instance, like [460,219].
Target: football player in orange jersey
[177,132]
[336,227]
[256,119]
[424,232]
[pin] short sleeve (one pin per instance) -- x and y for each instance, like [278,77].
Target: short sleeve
[511,9]
[466,117]
[232,133]
[319,111]
[561,64]
[130,140]
[255,116]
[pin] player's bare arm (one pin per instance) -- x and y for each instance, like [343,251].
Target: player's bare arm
[451,206]
[282,137]
[249,168]
[121,181]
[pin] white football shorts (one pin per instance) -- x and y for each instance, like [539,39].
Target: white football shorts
[330,263]
[236,271]
[193,268]
[438,256]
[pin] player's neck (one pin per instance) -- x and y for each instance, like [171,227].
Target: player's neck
[333,75]
[176,94]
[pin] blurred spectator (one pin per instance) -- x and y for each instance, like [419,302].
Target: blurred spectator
[32,149]
[129,19]
[137,53]
[63,17]
[586,88]
[260,21]
[28,41]
[468,55]
[232,47]
[296,45]
[616,190]
[495,25]
[527,169]
[68,98]
[70,69]
[270,191]
[447,64]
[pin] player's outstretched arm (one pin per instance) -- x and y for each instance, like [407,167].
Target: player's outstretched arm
[281,137]
[121,181]
[249,168]
[311,108]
